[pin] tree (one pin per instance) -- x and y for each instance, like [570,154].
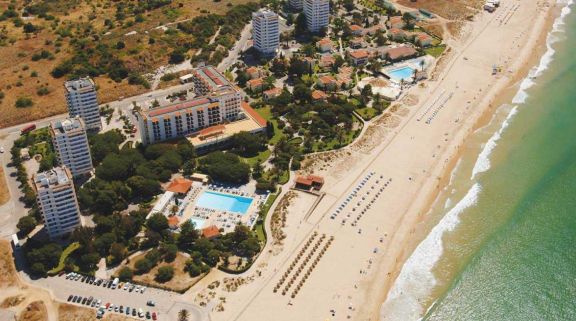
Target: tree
[143,187]
[26,224]
[143,266]
[164,274]
[188,235]
[157,222]
[349,5]
[125,274]
[169,252]
[247,144]
[225,167]
[408,19]
[300,27]
[302,93]
[366,94]
[118,252]
[177,56]
[183,315]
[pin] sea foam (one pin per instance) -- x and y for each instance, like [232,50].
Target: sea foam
[416,277]
[483,161]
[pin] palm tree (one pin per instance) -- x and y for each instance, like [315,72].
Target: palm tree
[183,315]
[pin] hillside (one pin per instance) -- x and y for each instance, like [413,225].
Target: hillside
[45,42]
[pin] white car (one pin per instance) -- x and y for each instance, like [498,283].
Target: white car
[1,149]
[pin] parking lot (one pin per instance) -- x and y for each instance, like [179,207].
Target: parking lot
[164,301]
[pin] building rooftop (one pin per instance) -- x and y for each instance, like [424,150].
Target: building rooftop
[80,84]
[359,54]
[319,95]
[67,125]
[53,178]
[180,186]
[210,232]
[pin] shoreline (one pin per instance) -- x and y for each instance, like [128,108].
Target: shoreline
[503,93]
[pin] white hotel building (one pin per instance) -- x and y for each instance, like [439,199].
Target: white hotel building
[296,4]
[71,145]
[266,32]
[57,201]
[217,100]
[317,14]
[82,101]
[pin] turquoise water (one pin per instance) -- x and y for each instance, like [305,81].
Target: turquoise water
[224,202]
[512,255]
[198,222]
[403,73]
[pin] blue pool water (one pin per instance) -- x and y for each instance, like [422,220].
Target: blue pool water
[401,73]
[198,222]
[224,202]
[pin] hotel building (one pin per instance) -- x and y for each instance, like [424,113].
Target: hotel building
[82,101]
[265,31]
[217,100]
[71,145]
[317,14]
[296,5]
[57,201]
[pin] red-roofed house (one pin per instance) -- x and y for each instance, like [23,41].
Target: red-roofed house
[327,82]
[400,53]
[396,22]
[272,93]
[319,95]
[210,232]
[180,186]
[397,34]
[254,72]
[422,39]
[326,62]
[255,84]
[356,30]
[357,43]
[359,57]
[173,222]
[324,45]
[309,182]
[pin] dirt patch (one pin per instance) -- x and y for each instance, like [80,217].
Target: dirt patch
[12,301]
[8,273]
[181,280]
[449,9]
[4,192]
[35,311]
[69,312]
[279,218]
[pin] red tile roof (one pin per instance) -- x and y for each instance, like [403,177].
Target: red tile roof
[355,28]
[319,94]
[327,79]
[259,119]
[255,82]
[173,221]
[359,54]
[179,185]
[210,232]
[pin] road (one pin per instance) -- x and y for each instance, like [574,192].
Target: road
[238,48]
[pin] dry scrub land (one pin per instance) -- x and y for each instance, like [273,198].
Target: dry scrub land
[68,27]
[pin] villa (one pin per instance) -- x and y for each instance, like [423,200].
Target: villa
[356,30]
[254,73]
[255,84]
[324,45]
[180,186]
[396,22]
[326,62]
[359,57]
[318,95]
[327,82]
[397,34]
[357,43]
[272,93]
[400,53]
[210,232]
[422,39]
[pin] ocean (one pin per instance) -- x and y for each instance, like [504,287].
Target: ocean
[503,246]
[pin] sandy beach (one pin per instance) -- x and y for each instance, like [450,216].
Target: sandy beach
[411,152]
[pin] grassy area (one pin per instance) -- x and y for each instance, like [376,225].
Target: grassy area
[65,254]
[4,192]
[262,156]
[435,51]
[259,228]
[266,113]
[367,113]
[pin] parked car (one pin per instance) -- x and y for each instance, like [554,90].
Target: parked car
[84,300]
[147,314]
[142,289]
[107,305]
[70,297]
[150,303]
[133,312]
[128,310]
[153,315]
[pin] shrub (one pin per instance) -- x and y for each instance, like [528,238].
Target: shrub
[165,274]
[24,102]
[125,274]
[143,266]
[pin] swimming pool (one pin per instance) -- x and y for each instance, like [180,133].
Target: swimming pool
[198,222]
[403,73]
[224,202]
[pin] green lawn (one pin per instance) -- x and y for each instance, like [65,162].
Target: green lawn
[259,228]
[435,51]
[266,113]
[367,113]
[262,156]
[65,254]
